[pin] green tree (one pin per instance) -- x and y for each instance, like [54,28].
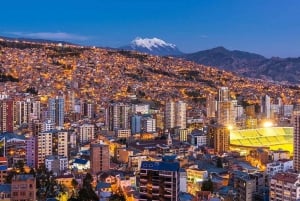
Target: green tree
[117,197]
[207,186]
[74,183]
[86,193]
[20,166]
[219,162]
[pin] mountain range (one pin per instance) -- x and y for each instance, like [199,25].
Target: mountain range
[249,64]
[242,63]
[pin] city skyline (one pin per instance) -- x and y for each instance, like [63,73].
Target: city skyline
[270,28]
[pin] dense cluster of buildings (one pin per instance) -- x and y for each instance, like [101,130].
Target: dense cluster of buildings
[166,148]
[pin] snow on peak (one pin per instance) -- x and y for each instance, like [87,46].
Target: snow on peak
[150,43]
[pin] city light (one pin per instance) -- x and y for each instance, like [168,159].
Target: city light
[268,124]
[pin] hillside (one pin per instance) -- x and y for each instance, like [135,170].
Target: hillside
[106,75]
[249,64]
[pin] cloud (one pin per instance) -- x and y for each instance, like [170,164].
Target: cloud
[49,35]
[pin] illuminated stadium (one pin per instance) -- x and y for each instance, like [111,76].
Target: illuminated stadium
[272,138]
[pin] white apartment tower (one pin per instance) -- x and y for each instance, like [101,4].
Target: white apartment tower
[266,106]
[148,125]
[175,114]
[25,111]
[118,117]
[86,133]
[44,147]
[225,108]
[62,143]
[211,106]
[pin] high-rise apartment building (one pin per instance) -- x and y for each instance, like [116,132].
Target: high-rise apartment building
[170,115]
[99,158]
[159,181]
[218,137]
[265,106]
[88,109]
[296,125]
[6,115]
[36,126]
[175,115]
[226,112]
[56,107]
[136,126]
[44,147]
[70,101]
[118,117]
[60,143]
[86,133]
[32,152]
[26,111]
[148,124]
[211,106]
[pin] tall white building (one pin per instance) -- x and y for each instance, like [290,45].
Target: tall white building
[56,109]
[170,115]
[44,147]
[175,114]
[86,133]
[62,143]
[296,125]
[180,115]
[265,104]
[25,111]
[148,124]
[211,106]
[226,108]
[118,117]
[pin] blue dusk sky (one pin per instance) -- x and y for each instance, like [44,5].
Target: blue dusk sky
[267,27]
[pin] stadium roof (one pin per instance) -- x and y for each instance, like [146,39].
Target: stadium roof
[262,137]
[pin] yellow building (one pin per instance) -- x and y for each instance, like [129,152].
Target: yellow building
[194,179]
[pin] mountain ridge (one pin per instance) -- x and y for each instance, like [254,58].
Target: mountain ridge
[249,64]
[243,63]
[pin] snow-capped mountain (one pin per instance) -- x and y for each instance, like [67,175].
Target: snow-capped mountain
[153,46]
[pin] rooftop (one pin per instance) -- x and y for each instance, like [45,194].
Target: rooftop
[286,177]
[151,165]
[80,161]
[5,188]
